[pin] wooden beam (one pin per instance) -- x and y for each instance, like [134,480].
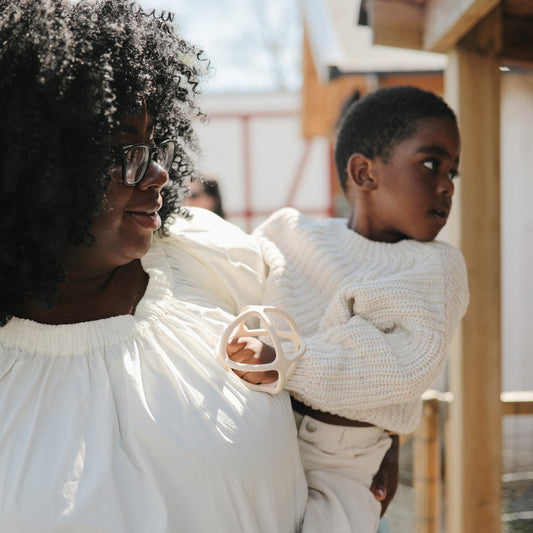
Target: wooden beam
[473,453]
[396,23]
[447,21]
[517,40]
[521,8]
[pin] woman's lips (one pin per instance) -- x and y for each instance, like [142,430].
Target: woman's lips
[150,221]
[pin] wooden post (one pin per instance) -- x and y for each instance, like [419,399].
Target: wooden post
[473,451]
[427,469]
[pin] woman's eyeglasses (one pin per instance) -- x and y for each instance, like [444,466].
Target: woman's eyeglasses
[135,159]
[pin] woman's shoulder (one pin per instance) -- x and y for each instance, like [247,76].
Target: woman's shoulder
[208,252]
[212,240]
[203,227]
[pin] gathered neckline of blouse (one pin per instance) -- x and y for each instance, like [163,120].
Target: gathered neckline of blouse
[67,339]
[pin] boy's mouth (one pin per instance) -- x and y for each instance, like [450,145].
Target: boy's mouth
[440,214]
[443,213]
[442,210]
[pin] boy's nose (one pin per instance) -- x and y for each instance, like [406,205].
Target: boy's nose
[156,176]
[446,186]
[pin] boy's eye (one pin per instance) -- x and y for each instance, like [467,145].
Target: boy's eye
[431,164]
[434,166]
[453,173]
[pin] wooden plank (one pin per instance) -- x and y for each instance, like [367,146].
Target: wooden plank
[447,21]
[517,402]
[396,23]
[474,443]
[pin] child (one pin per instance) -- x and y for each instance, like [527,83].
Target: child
[374,297]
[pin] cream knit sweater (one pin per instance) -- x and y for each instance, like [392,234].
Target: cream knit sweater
[377,317]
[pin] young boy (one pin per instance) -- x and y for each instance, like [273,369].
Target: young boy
[375,298]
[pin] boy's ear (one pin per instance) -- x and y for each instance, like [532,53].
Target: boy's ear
[359,172]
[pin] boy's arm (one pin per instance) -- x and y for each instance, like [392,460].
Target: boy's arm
[367,364]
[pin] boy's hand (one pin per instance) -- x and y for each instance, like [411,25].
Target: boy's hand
[385,481]
[251,350]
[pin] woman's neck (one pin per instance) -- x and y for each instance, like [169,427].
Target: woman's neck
[85,297]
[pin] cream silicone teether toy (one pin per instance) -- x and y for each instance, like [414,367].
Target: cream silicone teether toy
[282,364]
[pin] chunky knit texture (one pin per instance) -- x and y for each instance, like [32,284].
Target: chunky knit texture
[377,317]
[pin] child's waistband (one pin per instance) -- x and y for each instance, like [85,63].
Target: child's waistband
[327,418]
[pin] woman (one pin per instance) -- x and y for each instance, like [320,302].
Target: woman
[114,413]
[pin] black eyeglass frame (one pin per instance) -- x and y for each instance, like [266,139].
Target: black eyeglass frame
[123,151]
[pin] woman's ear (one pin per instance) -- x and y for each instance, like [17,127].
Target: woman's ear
[359,172]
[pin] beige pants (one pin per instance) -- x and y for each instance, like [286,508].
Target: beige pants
[339,464]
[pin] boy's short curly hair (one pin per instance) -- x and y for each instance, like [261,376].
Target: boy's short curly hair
[373,125]
[70,70]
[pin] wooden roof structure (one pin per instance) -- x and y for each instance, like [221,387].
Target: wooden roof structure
[439,25]
[480,38]
[342,47]
[340,58]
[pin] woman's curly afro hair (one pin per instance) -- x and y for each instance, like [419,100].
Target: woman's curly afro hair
[70,70]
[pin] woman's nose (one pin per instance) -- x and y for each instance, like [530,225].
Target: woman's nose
[156,176]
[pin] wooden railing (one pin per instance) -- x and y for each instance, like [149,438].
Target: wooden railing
[427,452]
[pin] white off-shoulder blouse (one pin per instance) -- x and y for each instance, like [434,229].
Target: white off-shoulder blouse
[129,424]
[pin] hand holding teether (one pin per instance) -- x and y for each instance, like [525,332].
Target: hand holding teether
[281,364]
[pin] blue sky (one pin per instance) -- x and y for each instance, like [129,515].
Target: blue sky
[253,45]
